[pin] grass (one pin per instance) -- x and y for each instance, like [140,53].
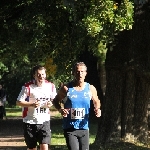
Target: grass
[14,112]
[58,140]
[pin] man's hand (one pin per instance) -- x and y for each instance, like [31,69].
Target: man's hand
[36,104]
[64,112]
[49,104]
[97,112]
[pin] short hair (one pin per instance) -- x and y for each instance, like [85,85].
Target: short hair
[35,69]
[78,64]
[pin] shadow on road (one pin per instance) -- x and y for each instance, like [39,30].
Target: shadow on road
[13,148]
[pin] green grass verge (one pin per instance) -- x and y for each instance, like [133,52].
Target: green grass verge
[14,112]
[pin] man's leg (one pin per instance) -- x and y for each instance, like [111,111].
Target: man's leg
[43,146]
[83,139]
[30,136]
[1,112]
[4,110]
[71,139]
[44,135]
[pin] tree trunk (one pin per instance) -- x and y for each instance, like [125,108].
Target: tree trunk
[125,111]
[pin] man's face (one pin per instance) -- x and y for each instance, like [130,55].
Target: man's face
[0,86]
[80,73]
[40,76]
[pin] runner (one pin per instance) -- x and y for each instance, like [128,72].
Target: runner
[76,96]
[35,98]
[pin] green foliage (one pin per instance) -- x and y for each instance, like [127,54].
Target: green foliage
[99,22]
[107,17]
[62,29]
[3,69]
[34,30]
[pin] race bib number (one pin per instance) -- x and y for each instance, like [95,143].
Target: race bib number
[40,110]
[77,113]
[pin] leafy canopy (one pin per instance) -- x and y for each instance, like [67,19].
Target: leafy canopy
[33,31]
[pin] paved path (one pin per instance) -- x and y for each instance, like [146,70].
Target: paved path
[11,134]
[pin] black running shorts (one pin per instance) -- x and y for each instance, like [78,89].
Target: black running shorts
[37,133]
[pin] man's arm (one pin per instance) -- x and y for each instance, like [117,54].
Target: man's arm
[59,97]
[24,103]
[62,93]
[96,101]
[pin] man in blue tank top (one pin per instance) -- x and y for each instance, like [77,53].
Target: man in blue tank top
[76,96]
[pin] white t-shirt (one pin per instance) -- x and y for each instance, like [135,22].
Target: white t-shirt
[45,93]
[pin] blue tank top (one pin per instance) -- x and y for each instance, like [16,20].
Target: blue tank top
[78,103]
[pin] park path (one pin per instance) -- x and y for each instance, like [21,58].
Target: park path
[11,133]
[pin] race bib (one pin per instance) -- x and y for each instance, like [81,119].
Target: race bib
[40,110]
[77,113]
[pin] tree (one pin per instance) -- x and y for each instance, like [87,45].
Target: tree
[125,111]
[52,28]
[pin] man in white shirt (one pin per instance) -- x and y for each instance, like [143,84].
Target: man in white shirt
[35,99]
